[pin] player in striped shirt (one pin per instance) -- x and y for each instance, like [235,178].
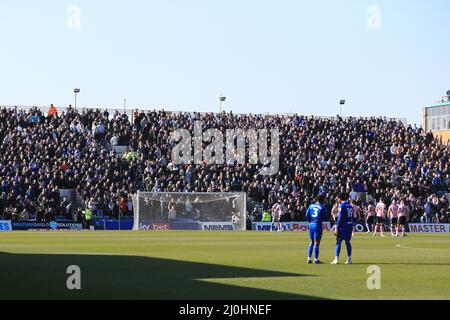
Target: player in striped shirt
[278,211]
[370,218]
[380,209]
[403,214]
[334,215]
[393,215]
[356,214]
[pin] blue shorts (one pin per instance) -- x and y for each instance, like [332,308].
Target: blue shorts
[315,231]
[345,234]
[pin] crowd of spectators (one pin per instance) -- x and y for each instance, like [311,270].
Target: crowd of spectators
[367,158]
[42,154]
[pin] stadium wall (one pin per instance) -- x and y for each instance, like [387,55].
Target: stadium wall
[443,135]
[436,118]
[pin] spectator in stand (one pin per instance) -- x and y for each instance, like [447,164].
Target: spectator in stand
[130,206]
[353,195]
[172,215]
[87,214]
[266,217]
[443,207]
[52,111]
[123,206]
[429,211]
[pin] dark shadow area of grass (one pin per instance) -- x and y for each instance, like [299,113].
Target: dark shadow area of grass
[401,264]
[37,276]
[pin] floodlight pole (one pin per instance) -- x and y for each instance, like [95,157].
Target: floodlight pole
[76,91]
[221,101]
[341,104]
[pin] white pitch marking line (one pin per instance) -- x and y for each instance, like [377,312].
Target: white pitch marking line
[404,247]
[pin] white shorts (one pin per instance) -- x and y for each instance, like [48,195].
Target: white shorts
[276,217]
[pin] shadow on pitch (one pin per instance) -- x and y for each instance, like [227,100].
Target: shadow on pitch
[31,276]
[402,264]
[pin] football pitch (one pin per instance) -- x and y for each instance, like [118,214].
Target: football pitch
[222,265]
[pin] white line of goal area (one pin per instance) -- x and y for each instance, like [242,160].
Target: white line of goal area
[402,246]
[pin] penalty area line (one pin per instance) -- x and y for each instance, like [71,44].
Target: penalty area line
[402,246]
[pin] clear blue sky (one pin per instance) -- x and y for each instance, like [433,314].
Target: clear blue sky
[265,56]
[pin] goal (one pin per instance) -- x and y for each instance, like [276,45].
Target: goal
[190,211]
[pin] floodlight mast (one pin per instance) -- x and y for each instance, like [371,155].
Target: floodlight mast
[76,92]
[222,99]
[341,104]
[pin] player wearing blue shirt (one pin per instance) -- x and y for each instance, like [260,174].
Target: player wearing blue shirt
[315,215]
[344,227]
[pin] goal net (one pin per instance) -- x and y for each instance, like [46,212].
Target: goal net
[189,211]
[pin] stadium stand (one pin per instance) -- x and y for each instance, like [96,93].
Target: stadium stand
[105,156]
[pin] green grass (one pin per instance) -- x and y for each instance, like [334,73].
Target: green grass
[201,265]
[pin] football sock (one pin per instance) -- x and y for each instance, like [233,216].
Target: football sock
[338,248]
[349,248]
[316,251]
[310,250]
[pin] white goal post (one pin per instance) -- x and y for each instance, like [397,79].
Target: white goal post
[190,211]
